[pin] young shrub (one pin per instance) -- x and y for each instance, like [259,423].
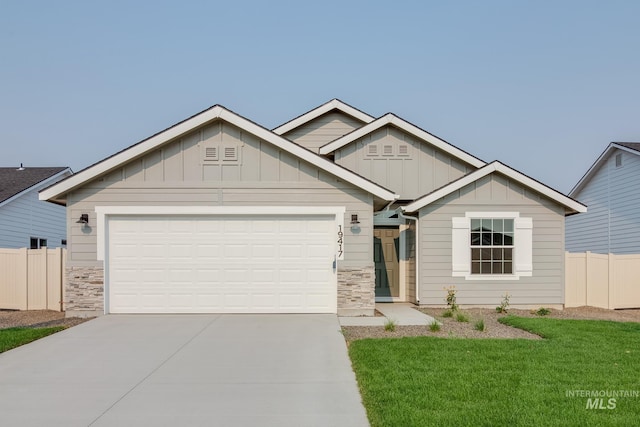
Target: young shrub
[390,325]
[451,298]
[461,317]
[504,305]
[543,311]
[434,326]
[479,325]
[447,313]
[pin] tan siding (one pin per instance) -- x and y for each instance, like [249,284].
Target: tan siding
[423,169]
[177,175]
[322,130]
[496,193]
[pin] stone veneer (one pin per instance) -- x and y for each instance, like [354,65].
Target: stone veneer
[356,291]
[84,292]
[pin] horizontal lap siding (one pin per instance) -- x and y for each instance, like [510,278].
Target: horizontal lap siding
[612,222]
[26,217]
[175,175]
[499,195]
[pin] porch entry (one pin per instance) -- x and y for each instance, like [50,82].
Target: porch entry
[386,256]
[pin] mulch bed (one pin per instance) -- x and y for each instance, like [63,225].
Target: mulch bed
[451,328]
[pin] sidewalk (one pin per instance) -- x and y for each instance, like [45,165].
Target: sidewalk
[403,314]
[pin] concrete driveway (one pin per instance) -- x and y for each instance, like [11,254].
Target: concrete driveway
[180,370]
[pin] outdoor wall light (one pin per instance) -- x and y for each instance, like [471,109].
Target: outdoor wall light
[354,219]
[84,219]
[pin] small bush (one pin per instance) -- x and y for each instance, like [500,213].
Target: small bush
[447,313]
[390,325]
[434,326]
[479,325]
[543,311]
[461,317]
[451,298]
[504,305]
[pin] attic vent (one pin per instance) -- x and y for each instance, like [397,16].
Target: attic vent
[387,150]
[211,153]
[230,153]
[403,150]
[372,150]
[618,160]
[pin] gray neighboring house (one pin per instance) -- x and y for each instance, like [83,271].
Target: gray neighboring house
[26,221]
[327,213]
[611,189]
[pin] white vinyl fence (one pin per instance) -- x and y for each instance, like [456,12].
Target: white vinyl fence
[32,279]
[601,280]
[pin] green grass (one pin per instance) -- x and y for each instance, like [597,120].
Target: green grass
[461,317]
[428,381]
[15,337]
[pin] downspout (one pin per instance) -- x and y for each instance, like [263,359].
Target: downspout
[413,218]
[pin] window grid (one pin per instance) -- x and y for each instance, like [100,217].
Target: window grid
[492,246]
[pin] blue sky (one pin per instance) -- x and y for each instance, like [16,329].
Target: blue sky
[543,86]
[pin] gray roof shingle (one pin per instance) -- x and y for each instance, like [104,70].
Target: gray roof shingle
[14,181]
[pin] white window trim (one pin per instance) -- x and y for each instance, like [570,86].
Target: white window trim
[461,253]
[103,212]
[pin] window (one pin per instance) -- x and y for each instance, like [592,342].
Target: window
[36,243]
[491,246]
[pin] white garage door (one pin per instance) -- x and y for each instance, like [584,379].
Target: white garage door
[221,264]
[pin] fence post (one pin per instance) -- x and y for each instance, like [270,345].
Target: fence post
[586,277]
[612,285]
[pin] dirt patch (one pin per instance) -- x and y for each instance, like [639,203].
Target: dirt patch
[37,319]
[451,328]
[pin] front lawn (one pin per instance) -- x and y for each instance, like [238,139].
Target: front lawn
[425,381]
[15,337]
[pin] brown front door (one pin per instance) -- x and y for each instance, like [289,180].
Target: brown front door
[386,247]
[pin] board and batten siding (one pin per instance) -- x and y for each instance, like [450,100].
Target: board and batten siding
[27,216]
[493,193]
[612,222]
[177,175]
[401,162]
[322,130]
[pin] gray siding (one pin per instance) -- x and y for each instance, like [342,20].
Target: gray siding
[612,222]
[322,130]
[410,167]
[177,175]
[26,217]
[493,193]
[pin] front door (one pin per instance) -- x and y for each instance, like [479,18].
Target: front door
[386,251]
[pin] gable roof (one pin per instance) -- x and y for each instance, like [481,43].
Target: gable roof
[16,181]
[392,119]
[56,191]
[630,147]
[334,104]
[572,205]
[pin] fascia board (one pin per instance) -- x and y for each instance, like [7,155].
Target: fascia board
[505,170]
[334,104]
[216,112]
[407,127]
[130,153]
[444,191]
[308,156]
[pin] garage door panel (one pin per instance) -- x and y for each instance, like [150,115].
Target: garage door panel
[226,265]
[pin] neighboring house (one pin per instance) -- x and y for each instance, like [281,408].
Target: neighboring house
[25,221]
[327,213]
[611,189]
